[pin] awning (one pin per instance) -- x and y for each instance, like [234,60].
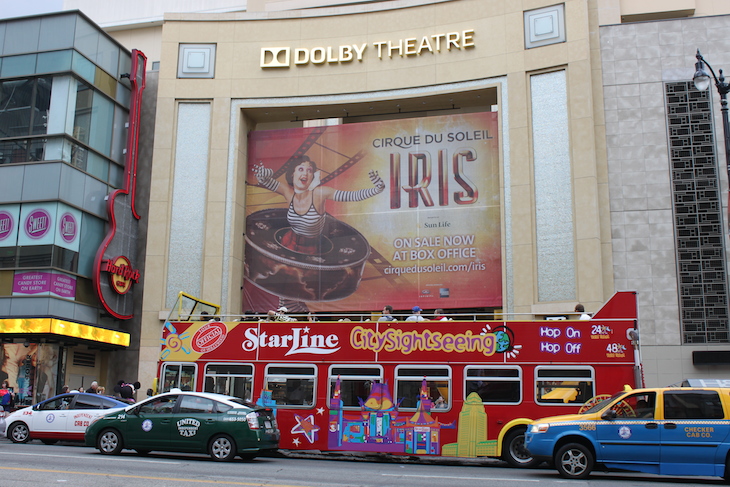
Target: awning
[53,327]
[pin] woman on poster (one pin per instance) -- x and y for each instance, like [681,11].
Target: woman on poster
[306,197]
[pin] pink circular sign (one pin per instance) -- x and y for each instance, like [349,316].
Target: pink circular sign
[38,223]
[67,227]
[7,223]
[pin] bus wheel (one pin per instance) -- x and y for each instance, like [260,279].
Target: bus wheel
[514,451]
[574,461]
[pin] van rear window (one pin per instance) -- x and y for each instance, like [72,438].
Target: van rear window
[692,405]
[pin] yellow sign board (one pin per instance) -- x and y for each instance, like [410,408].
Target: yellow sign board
[65,328]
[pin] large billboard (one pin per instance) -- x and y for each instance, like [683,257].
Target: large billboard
[354,217]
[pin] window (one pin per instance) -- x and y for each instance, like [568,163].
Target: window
[563,385]
[35,256]
[355,383]
[159,405]
[411,382]
[108,404]
[25,106]
[62,402]
[181,376]
[494,384]
[196,405]
[229,379]
[87,402]
[640,406]
[291,385]
[692,405]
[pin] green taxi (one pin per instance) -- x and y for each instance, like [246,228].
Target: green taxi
[183,421]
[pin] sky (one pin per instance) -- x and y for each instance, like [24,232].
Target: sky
[19,8]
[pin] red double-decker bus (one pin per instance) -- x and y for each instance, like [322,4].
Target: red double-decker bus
[443,388]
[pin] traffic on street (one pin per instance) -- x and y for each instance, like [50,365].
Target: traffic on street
[68,463]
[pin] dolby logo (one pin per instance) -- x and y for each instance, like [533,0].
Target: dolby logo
[284,57]
[275,57]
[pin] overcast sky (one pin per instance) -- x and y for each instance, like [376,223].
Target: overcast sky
[18,8]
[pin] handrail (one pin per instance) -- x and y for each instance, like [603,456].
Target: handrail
[400,317]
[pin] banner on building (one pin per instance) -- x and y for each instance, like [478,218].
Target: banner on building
[358,216]
[9,216]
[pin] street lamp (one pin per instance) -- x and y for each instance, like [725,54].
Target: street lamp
[702,82]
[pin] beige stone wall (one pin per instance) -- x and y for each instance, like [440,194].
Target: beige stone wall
[612,11]
[499,52]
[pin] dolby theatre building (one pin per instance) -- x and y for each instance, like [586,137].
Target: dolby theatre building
[469,155]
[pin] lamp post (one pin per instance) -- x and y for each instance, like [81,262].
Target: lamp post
[702,82]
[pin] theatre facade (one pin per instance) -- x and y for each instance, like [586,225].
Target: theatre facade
[460,149]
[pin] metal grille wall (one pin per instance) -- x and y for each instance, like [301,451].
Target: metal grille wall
[701,266]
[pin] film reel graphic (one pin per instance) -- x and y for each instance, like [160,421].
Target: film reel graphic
[344,251]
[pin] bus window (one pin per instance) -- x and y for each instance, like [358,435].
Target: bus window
[563,385]
[229,379]
[181,376]
[355,383]
[409,382]
[494,384]
[291,385]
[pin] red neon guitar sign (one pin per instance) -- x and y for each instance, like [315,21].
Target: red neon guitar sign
[114,272]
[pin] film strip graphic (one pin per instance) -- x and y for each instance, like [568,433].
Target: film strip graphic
[380,263]
[344,167]
[311,139]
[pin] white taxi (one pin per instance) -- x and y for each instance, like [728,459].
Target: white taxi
[63,417]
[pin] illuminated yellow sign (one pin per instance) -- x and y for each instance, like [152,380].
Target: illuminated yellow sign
[65,328]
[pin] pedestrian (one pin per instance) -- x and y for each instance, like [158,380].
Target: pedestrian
[125,390]
[579,308]
[280,315]
[387,314]
[64,389]
[416,316]
[93,387]
[7,401]
[438,315]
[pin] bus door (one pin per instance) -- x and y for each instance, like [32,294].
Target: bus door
[178,375]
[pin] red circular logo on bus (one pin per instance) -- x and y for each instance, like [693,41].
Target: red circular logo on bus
[209,337]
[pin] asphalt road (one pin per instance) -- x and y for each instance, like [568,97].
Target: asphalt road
[36,464]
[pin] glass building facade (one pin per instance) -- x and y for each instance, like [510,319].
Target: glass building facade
[64,108]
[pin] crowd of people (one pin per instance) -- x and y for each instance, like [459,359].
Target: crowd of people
[122,389]
[281,314]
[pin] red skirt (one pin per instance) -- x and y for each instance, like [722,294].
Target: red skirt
[300,243]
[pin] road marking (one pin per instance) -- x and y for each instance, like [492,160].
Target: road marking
[130,459]
[264,483]
[457,478]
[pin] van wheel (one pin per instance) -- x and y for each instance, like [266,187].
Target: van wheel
[514,451]
[574,461]
[726,475]
[19,432]
[109,442]
[222,448]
